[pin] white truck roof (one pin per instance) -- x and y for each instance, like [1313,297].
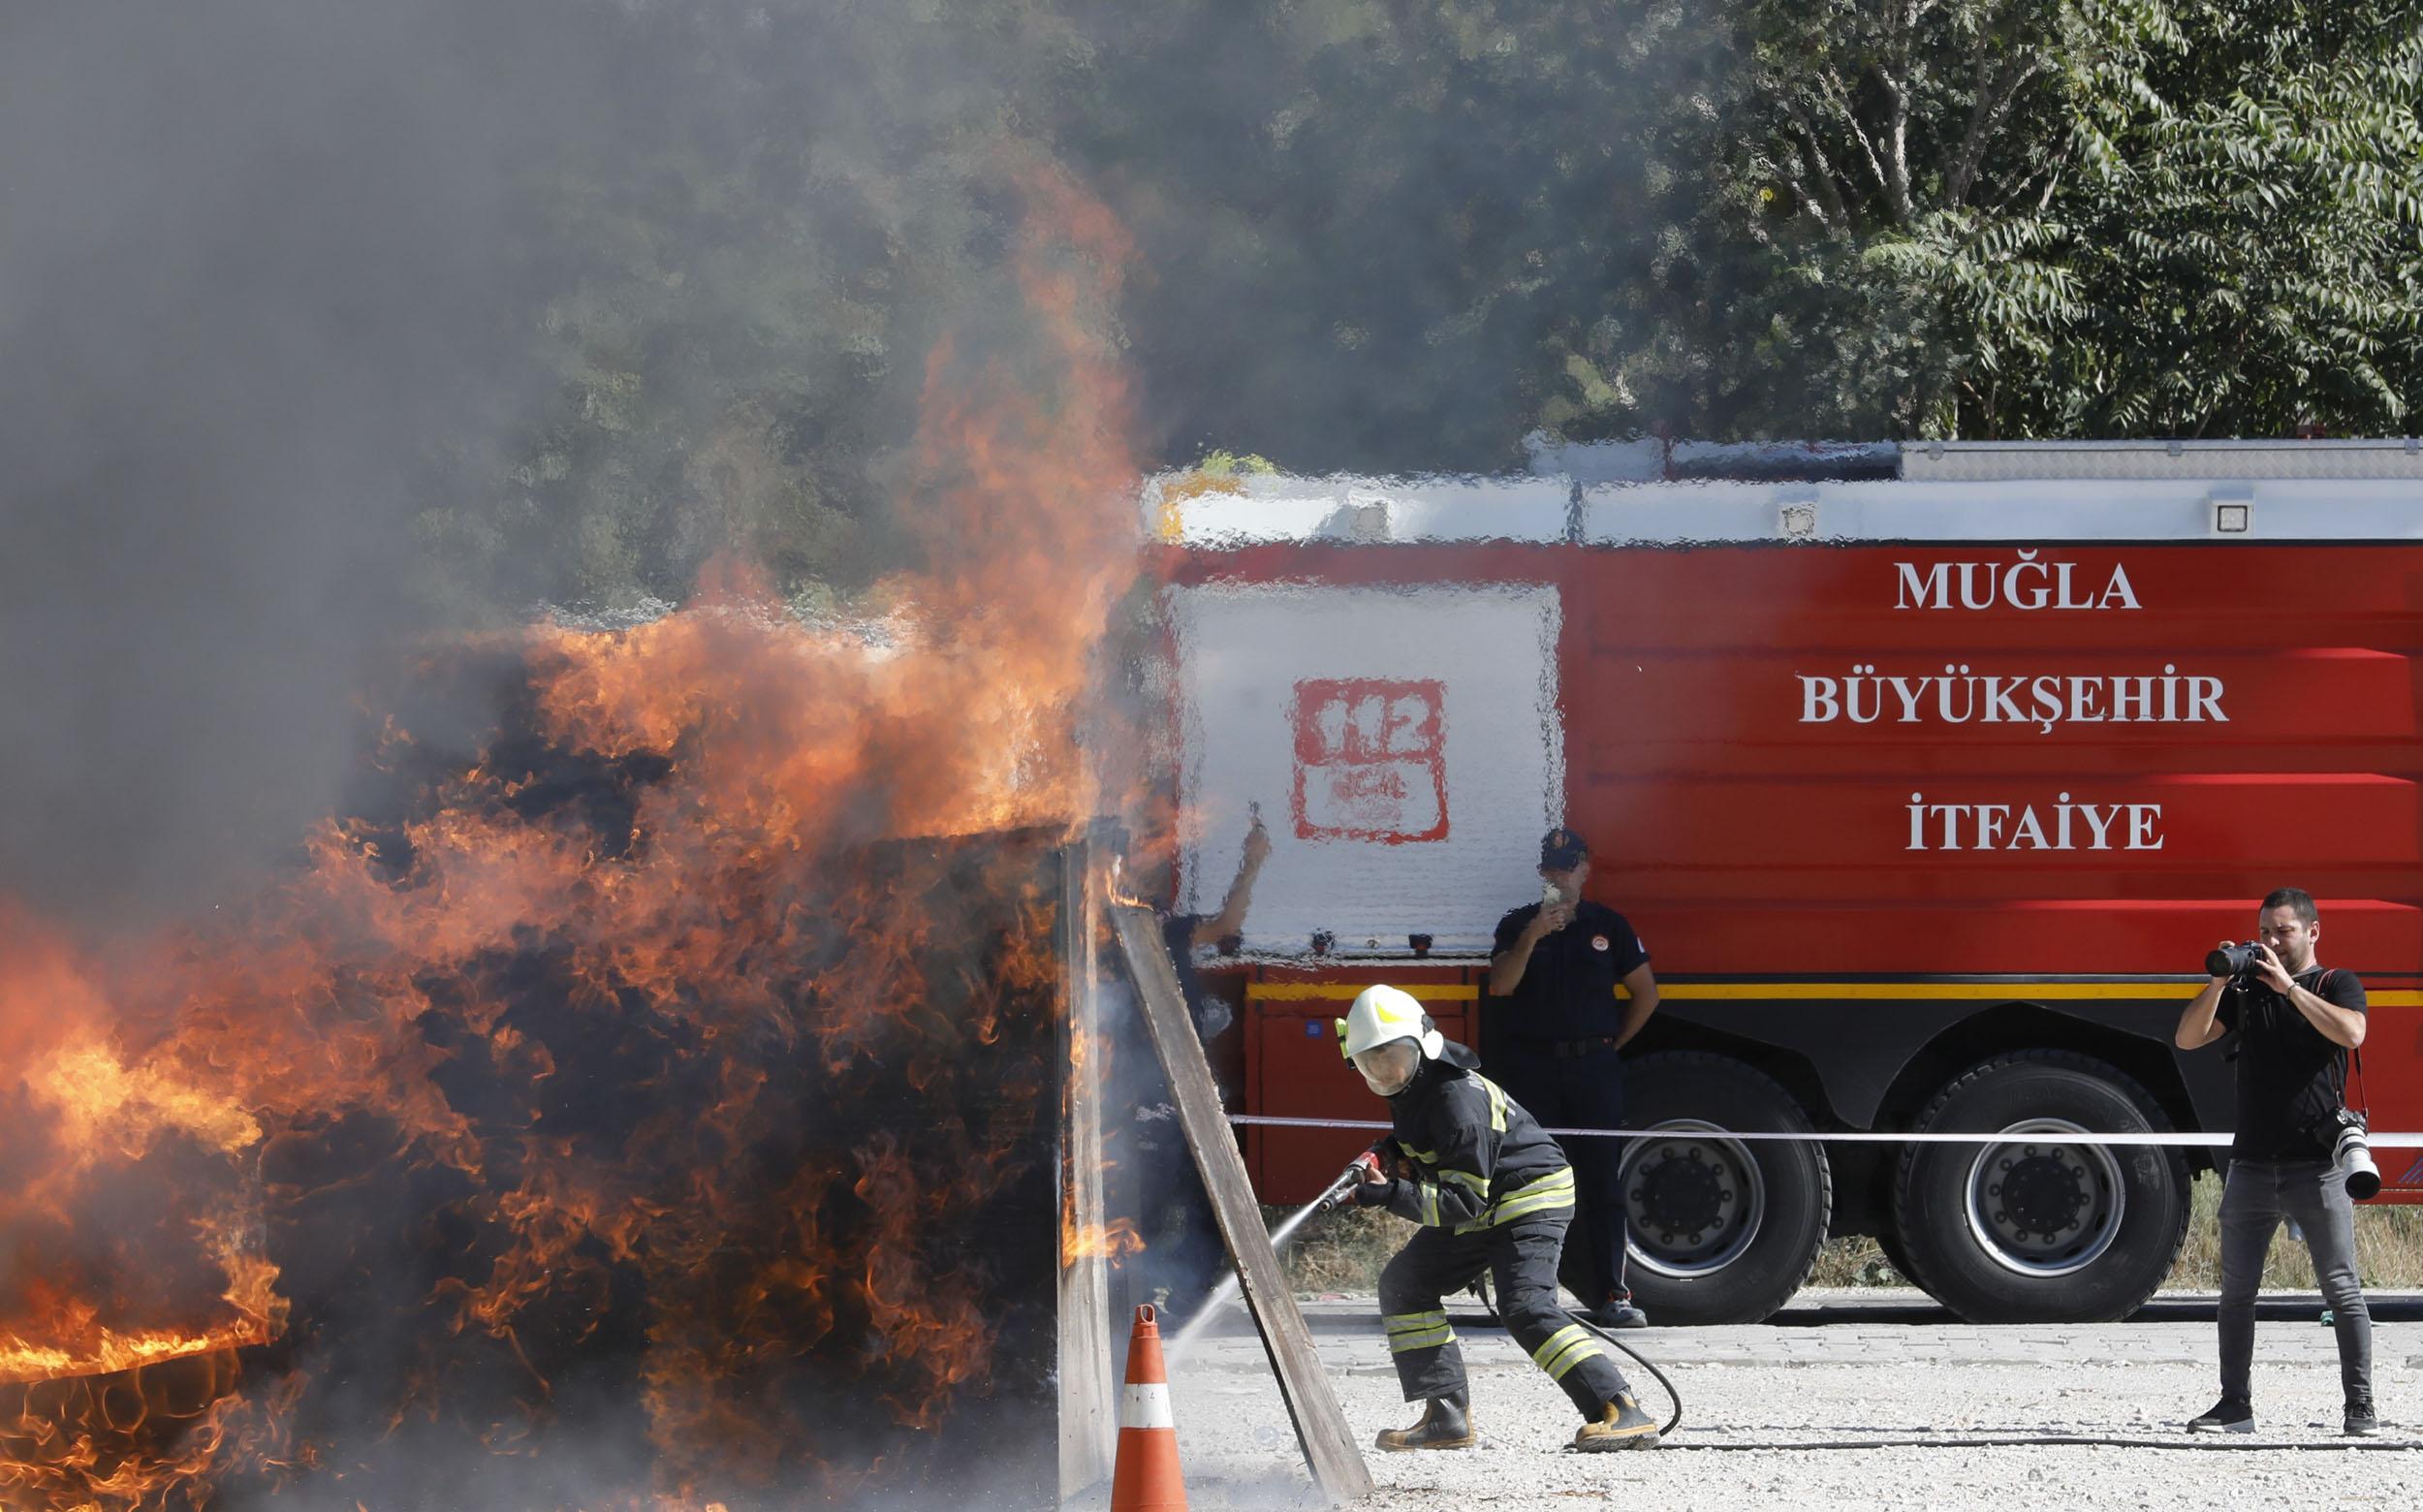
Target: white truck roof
[2279,491]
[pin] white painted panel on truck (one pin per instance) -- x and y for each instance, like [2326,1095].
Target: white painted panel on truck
[1405,748]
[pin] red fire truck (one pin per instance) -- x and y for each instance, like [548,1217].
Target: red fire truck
[1928,784]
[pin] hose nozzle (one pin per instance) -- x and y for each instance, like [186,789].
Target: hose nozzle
[1364,1167]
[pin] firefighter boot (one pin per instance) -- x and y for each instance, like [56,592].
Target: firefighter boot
[1620,1424]
[1446,1424]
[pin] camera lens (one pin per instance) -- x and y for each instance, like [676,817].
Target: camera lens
[2353,1156]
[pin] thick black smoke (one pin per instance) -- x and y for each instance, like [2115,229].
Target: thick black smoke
[323,327]
[256,286]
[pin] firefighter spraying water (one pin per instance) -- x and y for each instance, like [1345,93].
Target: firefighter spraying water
[1492,1194]
[1513,1242]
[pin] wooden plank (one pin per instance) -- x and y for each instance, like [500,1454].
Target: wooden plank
[1328,1444]
[1088,1382]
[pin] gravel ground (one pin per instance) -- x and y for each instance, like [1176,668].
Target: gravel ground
[1773,1411]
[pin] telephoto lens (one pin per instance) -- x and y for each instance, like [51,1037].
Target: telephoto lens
[2230,961]
[2353,1154]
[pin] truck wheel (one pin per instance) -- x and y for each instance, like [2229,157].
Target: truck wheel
[1721,1230]
[2036,1227]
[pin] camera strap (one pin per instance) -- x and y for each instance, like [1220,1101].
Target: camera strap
[2354,1053]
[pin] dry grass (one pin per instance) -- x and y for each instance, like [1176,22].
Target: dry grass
[1853,1262]
[2389,1248]
[1344,1250]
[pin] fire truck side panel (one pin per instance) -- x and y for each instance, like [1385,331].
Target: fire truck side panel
[1886,814]
[1403,745]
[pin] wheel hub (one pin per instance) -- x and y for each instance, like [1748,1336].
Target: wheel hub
[2047,1206]
[1694,1197]
[1681,1190]
[2042,1193]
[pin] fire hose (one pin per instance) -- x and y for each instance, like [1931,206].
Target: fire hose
[1338,1194]
[1366,1167]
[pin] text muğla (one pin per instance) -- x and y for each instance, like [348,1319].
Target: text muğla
[2025,584]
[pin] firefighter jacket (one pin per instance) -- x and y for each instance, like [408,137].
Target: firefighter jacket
[1478,1158]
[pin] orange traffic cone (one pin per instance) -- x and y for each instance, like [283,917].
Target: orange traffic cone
[1147,1474]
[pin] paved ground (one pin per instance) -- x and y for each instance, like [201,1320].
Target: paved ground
[1846,1398]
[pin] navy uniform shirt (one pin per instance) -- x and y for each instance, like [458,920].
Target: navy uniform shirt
[1568,989]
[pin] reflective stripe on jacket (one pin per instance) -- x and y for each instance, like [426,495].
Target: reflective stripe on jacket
[1479,1158]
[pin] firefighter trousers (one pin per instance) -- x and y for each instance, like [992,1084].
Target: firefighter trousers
[1521,1258]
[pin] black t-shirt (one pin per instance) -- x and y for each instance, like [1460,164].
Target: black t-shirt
[1568,989]
[2290,1076]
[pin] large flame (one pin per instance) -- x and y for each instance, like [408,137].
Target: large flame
[631,884]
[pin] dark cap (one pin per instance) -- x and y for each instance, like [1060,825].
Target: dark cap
[1562,850]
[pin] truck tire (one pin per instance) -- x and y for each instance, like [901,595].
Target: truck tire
[1761,1206]
[2036,1227]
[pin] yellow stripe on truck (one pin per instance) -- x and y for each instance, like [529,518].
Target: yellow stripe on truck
[1826,991]
[1315,992]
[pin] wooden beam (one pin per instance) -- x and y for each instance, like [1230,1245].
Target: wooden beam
[1328,1444]
[1088,1384]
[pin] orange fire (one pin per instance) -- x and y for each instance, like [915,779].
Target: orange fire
[421,1014]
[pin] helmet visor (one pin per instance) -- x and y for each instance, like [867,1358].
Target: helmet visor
[1387,1068]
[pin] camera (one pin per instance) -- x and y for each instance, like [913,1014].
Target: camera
[2352,1152]
[2233,960]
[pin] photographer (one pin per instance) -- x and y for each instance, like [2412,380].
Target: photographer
[2296,1023]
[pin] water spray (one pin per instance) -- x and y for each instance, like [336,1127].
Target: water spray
[1338,1193]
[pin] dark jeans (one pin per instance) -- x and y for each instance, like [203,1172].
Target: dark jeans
[2259,1195]
[1521,1258]
[1580,1092]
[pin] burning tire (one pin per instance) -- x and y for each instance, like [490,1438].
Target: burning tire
[2036,1227]
[1722,1230]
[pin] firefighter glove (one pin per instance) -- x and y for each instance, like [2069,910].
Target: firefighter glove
[1375,1194]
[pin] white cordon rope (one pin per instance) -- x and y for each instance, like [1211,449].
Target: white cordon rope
[2386,1141]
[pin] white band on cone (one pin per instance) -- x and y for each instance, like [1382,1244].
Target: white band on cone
[1146,1405]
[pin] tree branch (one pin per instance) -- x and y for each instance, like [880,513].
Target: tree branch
[1994,102]
[1897,80]
[1832,84]
[1832,213]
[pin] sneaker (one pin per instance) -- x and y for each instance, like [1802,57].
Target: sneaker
[1620,1424]
[1618,1312]
[2361,1422]
[2229,1415]
[1445,1424]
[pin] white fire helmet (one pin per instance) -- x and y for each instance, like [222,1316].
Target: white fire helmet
[1385,1013]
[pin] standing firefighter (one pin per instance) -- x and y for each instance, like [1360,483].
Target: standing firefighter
[1555,969]
[1492,1192]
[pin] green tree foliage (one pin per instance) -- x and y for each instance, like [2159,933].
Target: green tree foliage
[1975,217]
[2245,182]
[1396,235]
